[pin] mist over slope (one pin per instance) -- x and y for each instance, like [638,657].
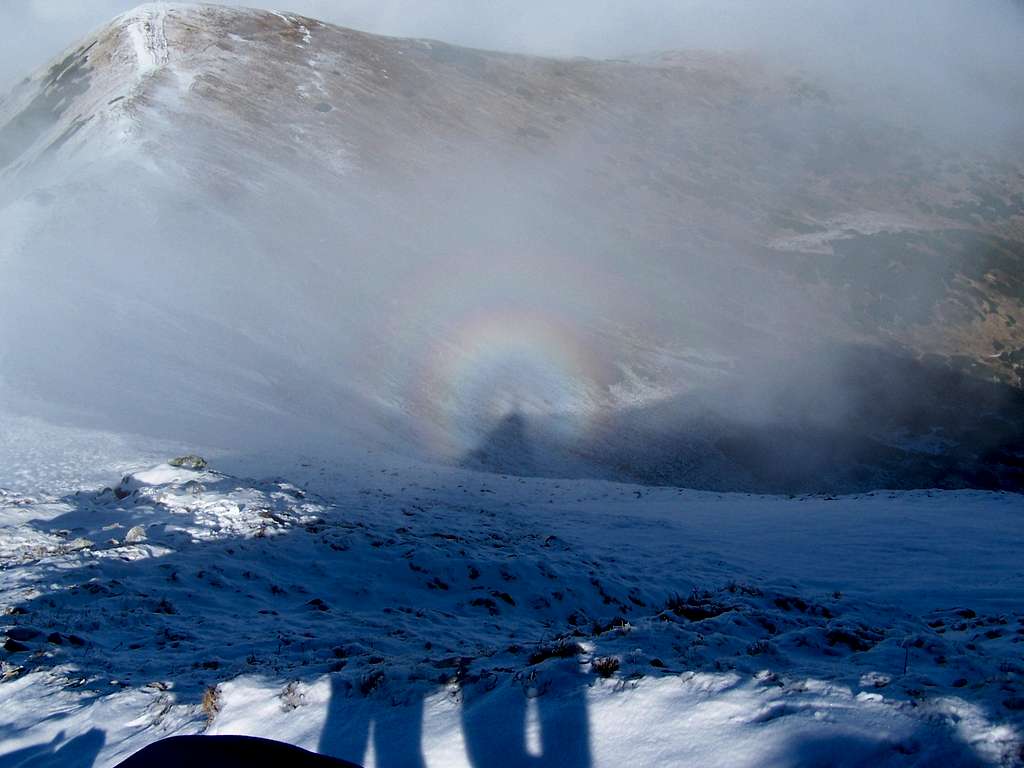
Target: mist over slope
[255,229]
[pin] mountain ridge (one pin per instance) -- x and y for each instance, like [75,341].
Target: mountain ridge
[355,235]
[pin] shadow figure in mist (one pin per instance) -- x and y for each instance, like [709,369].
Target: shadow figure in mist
[505,449]
[79,752]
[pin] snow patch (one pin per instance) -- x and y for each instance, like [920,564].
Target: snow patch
[146,30]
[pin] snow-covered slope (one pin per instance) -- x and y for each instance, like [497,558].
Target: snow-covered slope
[257,229]
[425,616]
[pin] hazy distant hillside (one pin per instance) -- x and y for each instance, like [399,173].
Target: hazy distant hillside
[257,228]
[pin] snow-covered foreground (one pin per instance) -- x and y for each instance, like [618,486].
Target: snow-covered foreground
[400,614]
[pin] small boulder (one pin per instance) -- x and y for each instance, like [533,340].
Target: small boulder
[136,535]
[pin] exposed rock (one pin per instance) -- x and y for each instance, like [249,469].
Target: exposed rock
[196,463]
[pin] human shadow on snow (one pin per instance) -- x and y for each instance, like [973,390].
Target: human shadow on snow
[495,718]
